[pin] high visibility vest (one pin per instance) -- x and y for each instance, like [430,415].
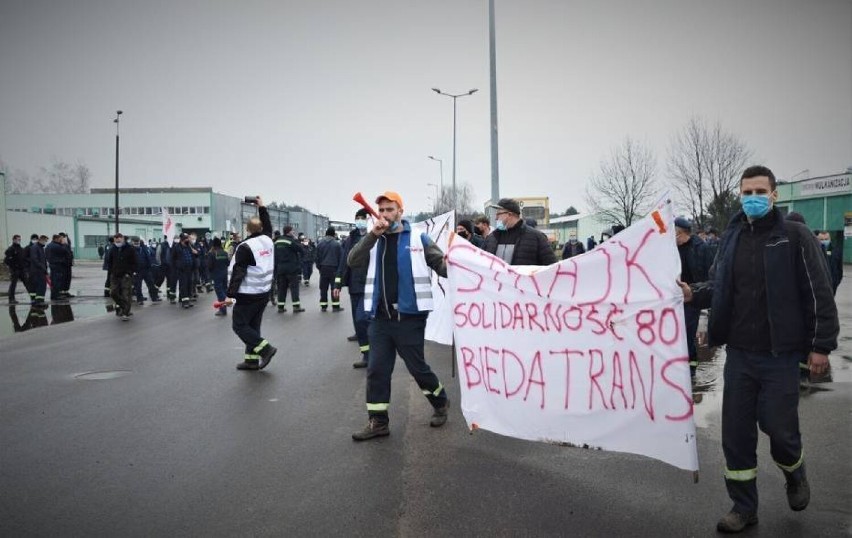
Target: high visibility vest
[420,276]
[258,277]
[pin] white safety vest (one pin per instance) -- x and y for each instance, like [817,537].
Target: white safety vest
[421,272]
[258,277]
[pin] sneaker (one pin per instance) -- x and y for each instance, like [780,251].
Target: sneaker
[735,522]
[798,495]
[266,355]
[353,338]
[439,417]
[248,365]
[359,364]
[374,428]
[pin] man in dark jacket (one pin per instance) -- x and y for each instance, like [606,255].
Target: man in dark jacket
[572,248]
[105,265]
[36,267]
[122,268]
[695,262]
[217,265]
[329,254]
[183,261]
[58,260]
[144,265]
[833,258]
[771,304]
[14,260]
[288,269]
[355,278]
[515,242]
[309,256]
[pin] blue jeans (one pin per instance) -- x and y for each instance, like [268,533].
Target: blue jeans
[761,389]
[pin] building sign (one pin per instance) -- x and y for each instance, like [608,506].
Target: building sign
[840,183]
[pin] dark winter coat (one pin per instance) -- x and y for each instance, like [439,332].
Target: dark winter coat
[531,246]
[769,272]
[122,261]
[329,252]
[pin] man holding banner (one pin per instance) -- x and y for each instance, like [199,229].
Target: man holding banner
[398,298]
[772,304]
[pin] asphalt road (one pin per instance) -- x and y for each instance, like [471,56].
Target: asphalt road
[177,442]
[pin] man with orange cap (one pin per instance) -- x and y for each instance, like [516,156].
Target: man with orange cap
[398,299]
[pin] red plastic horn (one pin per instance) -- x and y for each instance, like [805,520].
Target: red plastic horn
[220,304]
[365,204]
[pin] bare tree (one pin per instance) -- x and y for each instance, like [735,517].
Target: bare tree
[464,200]
[705,162]
[17,181]
[624,188]
[63,177]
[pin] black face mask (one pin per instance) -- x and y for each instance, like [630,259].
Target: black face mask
[464,234]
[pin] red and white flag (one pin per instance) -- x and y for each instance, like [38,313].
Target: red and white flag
[168,227]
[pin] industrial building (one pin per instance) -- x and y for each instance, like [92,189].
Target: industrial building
[89,218]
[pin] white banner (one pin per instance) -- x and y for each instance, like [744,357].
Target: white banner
[168,227]
[439,325]
[590,351]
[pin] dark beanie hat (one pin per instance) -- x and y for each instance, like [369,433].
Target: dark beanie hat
[467,225]
[331,231]
[217,242]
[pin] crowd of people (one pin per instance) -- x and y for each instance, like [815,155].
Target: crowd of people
[769,283]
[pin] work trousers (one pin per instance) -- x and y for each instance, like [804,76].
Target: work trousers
[307,271]
[15,275]
[220,286]
[327,275]
[289,281]
[186,289]
[171,282]
[361,321]
[387,338]
[761,389]
[146,277]
[57,281]
[121,291]
[245,321]
[37,286]
[691,316]
[108,282]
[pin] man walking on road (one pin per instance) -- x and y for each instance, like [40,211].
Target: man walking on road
[398,297]
[122,268]
[14,260]
[354,280]
[288,270]
[251,272]
[772,304]
[329,254]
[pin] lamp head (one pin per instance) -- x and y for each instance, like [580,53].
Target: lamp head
[436,90]
[473,91]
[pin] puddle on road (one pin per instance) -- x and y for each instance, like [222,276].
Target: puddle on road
[17,318]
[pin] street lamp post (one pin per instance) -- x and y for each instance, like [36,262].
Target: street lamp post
[437,195]
[441,163]
[117,117]
[454,96]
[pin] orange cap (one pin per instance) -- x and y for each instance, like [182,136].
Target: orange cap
[392,196]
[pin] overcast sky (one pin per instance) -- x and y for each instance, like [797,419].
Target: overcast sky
[309,101]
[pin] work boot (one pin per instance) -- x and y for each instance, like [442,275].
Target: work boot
[352,338]
[734,522]
[298,309]
[374,428]
[337,309]
[360,364]
[439,417]
[282,309]
[221,313]
[266,355]
[798,491]
[249,364]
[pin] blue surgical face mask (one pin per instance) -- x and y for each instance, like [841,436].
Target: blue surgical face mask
[756,205]
[826,242]
[500,225]
[394,225]
[361,224]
